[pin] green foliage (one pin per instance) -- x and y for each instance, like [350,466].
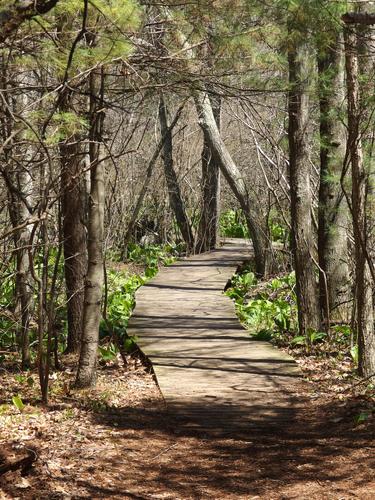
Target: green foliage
[108,353]
[7,324]
[18,403]
[277,227]
[152,256]
[122,287]
[233,225]
[24,379]
[363,416]
[241,284]
[272,311]
[120,303]
[311,338]
[354,354]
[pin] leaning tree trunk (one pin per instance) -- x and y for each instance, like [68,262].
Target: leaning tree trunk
[86,375]
[334,278]
[257,229]
[74,233]
[299,59]
[174,192]
[209,222]
[364,283]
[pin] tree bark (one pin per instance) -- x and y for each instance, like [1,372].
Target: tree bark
[19,193]
[258,230]
[363,289]
[334,278]
[208,231]
[174,192]
[86,375]
[74,234]
[299,58]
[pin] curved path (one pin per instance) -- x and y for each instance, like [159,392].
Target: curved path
[212,376]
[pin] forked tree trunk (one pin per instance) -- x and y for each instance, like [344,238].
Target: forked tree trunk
[257,228]
[299,58]
[86,375]
[334,281]
[174,192]
[208,230]
[363,290]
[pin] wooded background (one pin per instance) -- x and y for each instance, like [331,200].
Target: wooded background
[129,123]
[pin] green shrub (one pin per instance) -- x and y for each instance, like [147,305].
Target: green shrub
[272,311]
[122,287]
[233,225]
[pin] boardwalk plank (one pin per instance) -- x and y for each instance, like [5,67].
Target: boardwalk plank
[209,371]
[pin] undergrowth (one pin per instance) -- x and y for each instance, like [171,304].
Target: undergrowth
[120,298]
[233,225]
[121,286]
[268,309]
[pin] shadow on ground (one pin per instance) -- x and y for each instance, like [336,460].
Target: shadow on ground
[307,450]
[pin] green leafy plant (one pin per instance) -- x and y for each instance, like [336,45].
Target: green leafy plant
[18,403]
[363,416]
[24,379]
[272,312]
[233,225]
[354,354]
[240,285]
[311,338]
[108,353]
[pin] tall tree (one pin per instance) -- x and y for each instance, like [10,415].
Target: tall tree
[74,231]
[209,221]
[333,256]
[86,374]
[363,278]
[257,228]
[303,242]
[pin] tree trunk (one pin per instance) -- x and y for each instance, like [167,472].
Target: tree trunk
[146,182]
[363,290]
[257,229]
[301,197]
[86,375]
[19,193]
[24,278]
[74,234]
[333,214]
[174,191]
[20,186]
[209,221]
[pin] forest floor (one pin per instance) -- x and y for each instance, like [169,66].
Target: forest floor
[118,441]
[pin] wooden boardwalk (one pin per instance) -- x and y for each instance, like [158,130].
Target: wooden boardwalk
[212,376]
